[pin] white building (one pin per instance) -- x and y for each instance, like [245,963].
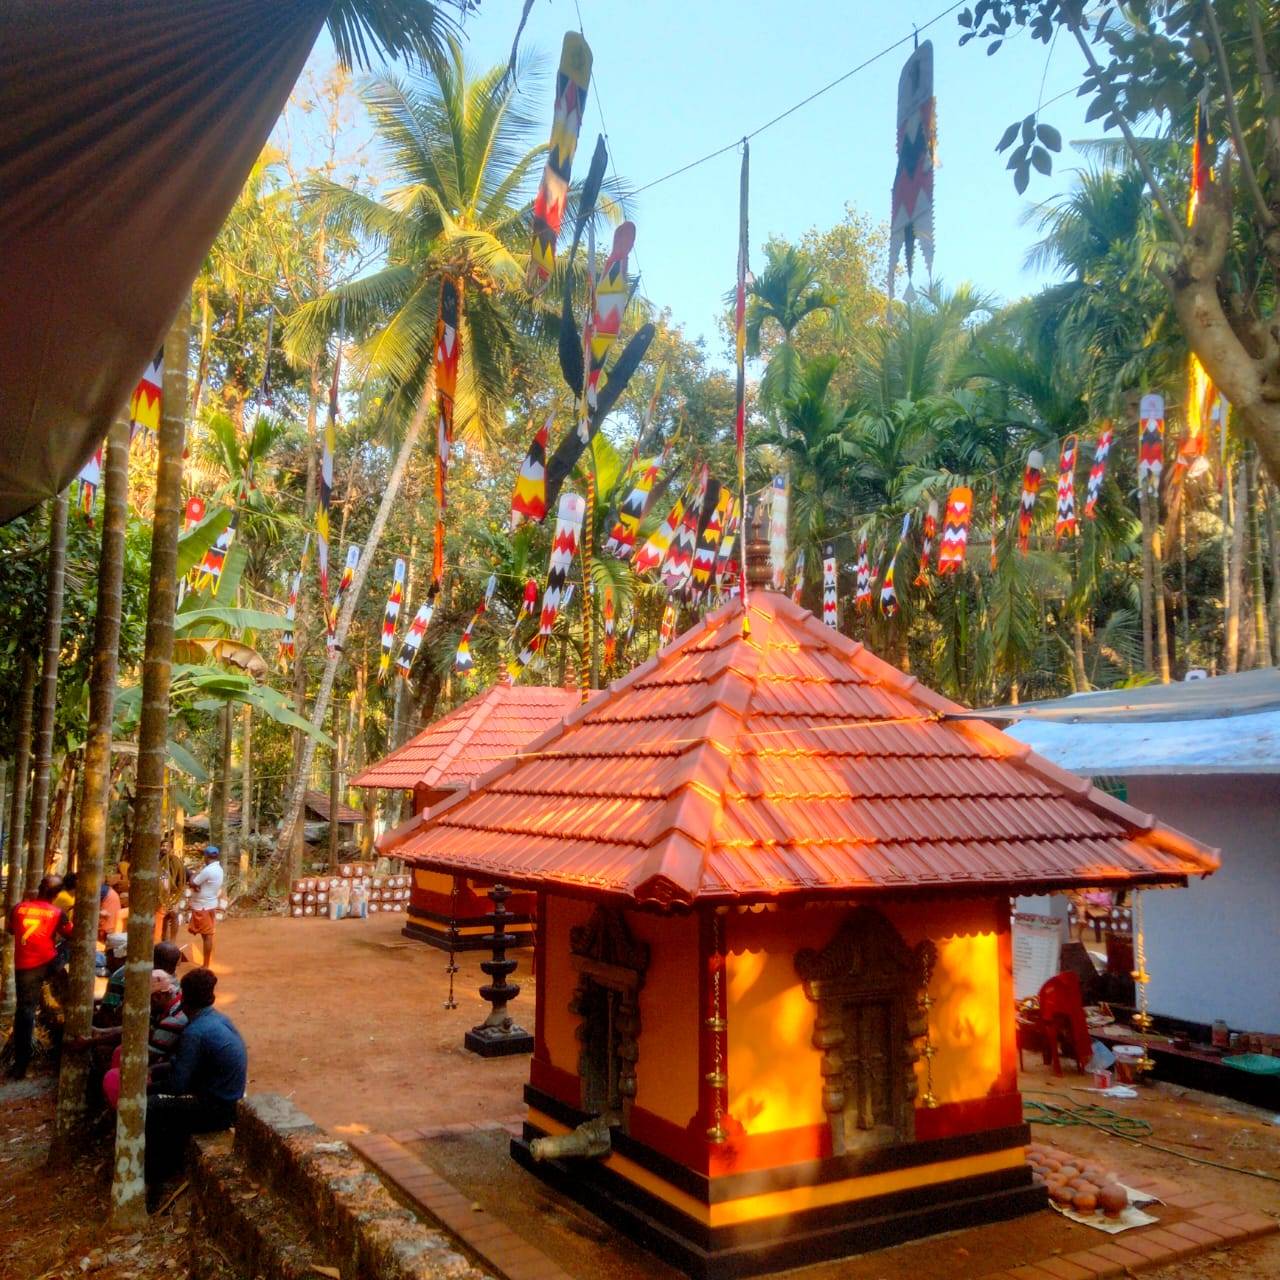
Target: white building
[1204,757]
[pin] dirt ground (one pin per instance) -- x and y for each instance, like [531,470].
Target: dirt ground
[347,1019]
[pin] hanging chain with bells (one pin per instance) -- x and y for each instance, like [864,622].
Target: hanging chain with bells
[928,1051]
[717,1026]
[452,969]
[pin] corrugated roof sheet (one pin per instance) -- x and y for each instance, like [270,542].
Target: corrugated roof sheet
[472,739]
[789,761]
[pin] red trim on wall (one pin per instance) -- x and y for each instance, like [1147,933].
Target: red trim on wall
[539,966]
[1008,1079]
[952,1119]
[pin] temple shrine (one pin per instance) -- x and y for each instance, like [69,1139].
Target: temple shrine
[774,1018]
[444,910]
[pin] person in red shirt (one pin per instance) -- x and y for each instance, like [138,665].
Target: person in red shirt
[36,925]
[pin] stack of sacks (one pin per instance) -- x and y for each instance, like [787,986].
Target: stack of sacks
[352,894]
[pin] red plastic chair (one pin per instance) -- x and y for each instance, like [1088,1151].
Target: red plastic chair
[1062,1022]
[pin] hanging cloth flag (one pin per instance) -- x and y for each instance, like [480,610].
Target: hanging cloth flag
[610,632]
[564,546]
[911,217]
[740,359]
[210,572]
[144,404]
[1030,491]
[328,444]
[90,479]
[778,534]
[830,586]
[529,502]
[955,530]
[726,576]
[797,577]
[677,567]
[1201,168]
[1150,442]
[611,292]
[446,374]
[413,637]
[888,595]
[926,547]
[1205,407]
[654,552]
[348,577]
[622,538]
[572,80]
[194,513]
[862,581]
[463,662]
[1064,526]
[1098,472]
[667,630]
[287,646]
[530,601]
[391,615]
[715,509]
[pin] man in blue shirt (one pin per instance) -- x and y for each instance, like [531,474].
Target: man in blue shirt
[205,1081]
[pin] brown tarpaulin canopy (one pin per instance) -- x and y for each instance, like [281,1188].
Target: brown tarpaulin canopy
[126,132]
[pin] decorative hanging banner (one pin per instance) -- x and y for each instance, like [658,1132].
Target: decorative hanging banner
[667,630]
[572,81]
[1201,167]
[955,530]
[463,662]
[413,637]
[144,404]
[830,586]
[194,513]
[210,572]
[1150,441]
[862,580]
[1064,525]
[564,546]
[90,479]
[447,349]
[1030,491]
[677,567]
[328,443]
[654,552]
[778,534]
[926,547]
[610,632]
[1205,408]
[622,538]
[888,595]
[1098,472]
[391,615]
[740,355]
[911,217]
[715,510]
[287,646]
[611,291]
[348,576]
[727,576]
[529,501]
[994,549]
[530,601]
[797,577]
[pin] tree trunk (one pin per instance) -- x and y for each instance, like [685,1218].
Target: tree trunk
[53,841]
[17,825]
[91,830]
[1148,585]
[1235,602]
[1158,600]
[219,799]
[47,702]
[1080,675]
[128,1188]
[293,811]
[1261,634]
[248,818]
[335,793]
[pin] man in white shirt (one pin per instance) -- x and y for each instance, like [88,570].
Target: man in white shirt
[207,886]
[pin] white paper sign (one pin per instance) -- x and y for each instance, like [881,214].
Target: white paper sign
[1037,952]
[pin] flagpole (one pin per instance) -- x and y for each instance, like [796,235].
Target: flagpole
[740,345]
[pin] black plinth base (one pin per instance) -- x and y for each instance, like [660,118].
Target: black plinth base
[494,1042]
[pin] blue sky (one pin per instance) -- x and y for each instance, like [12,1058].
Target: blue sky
[679,79]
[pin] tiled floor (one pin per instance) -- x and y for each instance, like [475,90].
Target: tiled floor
[1211,1224]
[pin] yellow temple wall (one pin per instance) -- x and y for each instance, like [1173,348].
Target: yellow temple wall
[557,980]
[774,1081]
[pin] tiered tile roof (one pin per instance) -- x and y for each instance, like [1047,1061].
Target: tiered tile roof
[790,761]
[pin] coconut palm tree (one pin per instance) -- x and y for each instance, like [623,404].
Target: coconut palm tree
[782,296]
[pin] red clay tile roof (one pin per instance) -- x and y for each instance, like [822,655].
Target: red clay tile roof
[472,739]
[318,803]
[790,762]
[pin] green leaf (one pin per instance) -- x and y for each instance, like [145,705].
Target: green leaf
[272,703]
[182,760]
[1049,136]
[1007,137]
[232,572]
[234,619]
[193,545]
[1042,161]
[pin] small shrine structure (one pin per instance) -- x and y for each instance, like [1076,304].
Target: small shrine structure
[444,910]
[774,1017]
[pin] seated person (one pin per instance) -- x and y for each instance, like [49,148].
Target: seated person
[66,898]
[207,1078]
[166,956]
[168,1022]
[109,910]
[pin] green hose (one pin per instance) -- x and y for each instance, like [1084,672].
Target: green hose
[1096,1117]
